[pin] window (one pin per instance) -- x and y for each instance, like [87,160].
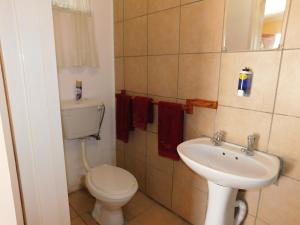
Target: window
[74,34]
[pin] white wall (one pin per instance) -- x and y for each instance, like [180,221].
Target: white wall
[96,83]
[27,41]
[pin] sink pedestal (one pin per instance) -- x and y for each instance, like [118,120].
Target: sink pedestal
[221,205]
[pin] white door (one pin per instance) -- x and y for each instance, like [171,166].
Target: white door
[27,40]
[10,203]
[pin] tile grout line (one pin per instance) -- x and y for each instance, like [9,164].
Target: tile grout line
[279,75]
[178,77]
[146,147]
[212,52]
[78,215]
[220,67]
[226,106]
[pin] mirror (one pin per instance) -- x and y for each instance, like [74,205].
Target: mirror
[254,24]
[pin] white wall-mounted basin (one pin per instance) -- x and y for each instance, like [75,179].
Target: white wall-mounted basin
[226,165]
[227,169]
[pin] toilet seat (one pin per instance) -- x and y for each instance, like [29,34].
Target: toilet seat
[110,183]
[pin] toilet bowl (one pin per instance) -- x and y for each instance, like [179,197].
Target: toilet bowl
[112,187]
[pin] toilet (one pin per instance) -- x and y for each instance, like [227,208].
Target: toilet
[113,187]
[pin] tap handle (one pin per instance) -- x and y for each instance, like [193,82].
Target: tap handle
[219,135]
[251,139]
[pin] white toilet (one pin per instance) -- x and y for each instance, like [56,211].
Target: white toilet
[112,187]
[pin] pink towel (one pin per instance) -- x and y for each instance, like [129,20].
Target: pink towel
[142,108]
[170,129]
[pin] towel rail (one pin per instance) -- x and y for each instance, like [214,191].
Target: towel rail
[188,107]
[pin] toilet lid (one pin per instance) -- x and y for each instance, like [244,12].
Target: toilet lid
[113,180]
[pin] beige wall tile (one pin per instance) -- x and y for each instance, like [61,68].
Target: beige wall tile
[265,66]
[159,186]
[288,94]
[281,204]
[118,39]
[250,220]
[135,37]
[163,28]
[260,222]
[292,39]
[285,142]
[184,174]
[251,197]
[137,166]
[134,8]
[120,154]
[163,75]
[119,73]
[135,156]
[118,10]
[199,76]
[201,30]
[239,123]
[136,147]
[183,2]
[135,72]
[154,159]
[189,202]
[156,5]
[201,122]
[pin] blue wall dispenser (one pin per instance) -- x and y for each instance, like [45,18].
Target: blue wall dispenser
[245,81]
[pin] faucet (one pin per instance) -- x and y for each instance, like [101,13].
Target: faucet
[249,150]
[217,138]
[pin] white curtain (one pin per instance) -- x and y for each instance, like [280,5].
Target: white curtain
[77,5]
[74,34]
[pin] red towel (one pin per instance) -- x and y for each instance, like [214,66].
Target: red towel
[123,116]
[170,129]
[142,108]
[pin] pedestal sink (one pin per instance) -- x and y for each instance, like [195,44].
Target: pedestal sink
[227,169]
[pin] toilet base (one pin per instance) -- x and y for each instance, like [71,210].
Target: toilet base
[106,216]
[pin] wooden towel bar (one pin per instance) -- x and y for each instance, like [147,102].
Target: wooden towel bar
[188,107]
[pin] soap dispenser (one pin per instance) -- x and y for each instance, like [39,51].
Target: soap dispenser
[245,81]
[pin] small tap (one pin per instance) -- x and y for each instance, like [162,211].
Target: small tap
[217,138]
[249,150]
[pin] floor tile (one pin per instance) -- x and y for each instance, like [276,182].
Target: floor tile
[81,201]
[77,221]
[139,204]
[73,214]
[141,210]
[88,219]
[157,215]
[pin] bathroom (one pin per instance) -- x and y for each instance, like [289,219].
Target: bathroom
[188,52]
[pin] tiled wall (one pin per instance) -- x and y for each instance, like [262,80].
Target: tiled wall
[171,50]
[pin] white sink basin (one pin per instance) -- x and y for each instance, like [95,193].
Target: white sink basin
[226,165]
[227,169]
